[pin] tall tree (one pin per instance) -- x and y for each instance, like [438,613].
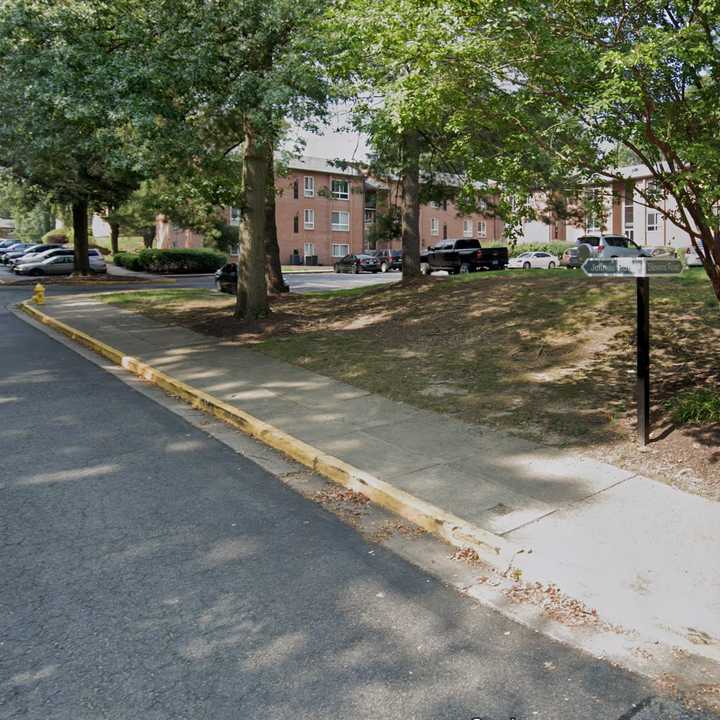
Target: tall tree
[387,60]
[644,77]
[256,66]
[65,129]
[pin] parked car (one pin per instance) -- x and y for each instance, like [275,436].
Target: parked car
[226,279]
[463,255]
[389,259]
[528,260]
[62,263]
[600,246]
[4,244]
[14,250]
[362,262]
[33,253]
[692,259]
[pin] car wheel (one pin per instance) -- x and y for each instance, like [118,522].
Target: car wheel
[526,266]
[464,268]
[551,265]
[384,267]
[357,269]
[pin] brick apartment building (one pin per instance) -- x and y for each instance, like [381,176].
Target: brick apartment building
[324,213]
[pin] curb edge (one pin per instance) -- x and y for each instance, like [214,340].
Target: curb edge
[492,549]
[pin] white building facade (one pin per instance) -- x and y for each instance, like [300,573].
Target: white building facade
[625,213]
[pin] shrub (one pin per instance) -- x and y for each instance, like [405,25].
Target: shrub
[554,248]
[172,261]
[128,260]
[58,235]
[696,406]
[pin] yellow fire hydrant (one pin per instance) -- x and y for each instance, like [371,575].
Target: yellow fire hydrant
[39,294]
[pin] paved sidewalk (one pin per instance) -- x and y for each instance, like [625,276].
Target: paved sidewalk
[643,554]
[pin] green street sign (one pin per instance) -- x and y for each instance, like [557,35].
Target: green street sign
[631,267]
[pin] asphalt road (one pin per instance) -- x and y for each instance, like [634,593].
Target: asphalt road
[298,282]
[148,572]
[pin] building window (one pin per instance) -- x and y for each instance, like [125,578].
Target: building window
[435,204]
[653,220]
[296,190]
[435,227]
[629,215]
[296,224]
[235,215]
[309,250]
[309,186]
[482,229]
[482,205]
[467,228]
[340,250]
[341,221]
[369,216]
[309,220]
[340,189]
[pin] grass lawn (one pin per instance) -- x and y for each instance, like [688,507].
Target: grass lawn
[548,355]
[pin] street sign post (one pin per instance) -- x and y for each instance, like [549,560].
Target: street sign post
[642,269]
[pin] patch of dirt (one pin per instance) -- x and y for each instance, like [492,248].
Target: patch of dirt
[558,606]
[347,504]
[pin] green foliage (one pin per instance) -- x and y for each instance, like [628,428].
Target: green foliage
[554,248]
[386,228]
[224,237]
[58,235]
[696,407]
[582,87]
[29,209]
[172,261]
[128,260]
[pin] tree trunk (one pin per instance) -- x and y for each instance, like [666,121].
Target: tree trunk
[411,205]
[273,266]
[711,256]
[252,298]
[115,237]
[80,231]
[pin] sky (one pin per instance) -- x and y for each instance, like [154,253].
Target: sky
[334,142]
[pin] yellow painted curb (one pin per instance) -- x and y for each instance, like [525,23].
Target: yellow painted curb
[491,548]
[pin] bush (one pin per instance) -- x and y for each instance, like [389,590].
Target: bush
[128,260]
[172,261]
[58,235]
[697,406]
[554,248]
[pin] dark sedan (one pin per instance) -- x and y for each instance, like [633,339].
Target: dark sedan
[358,263]
[226,279]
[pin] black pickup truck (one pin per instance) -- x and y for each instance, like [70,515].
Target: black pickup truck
[462,256]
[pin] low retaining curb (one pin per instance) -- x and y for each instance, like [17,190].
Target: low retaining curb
[491,548]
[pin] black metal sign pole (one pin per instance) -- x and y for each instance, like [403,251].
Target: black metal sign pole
[643,359]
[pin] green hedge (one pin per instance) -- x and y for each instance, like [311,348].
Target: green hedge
[554,248]
[172,261]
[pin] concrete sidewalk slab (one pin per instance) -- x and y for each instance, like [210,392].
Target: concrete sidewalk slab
[643,554]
